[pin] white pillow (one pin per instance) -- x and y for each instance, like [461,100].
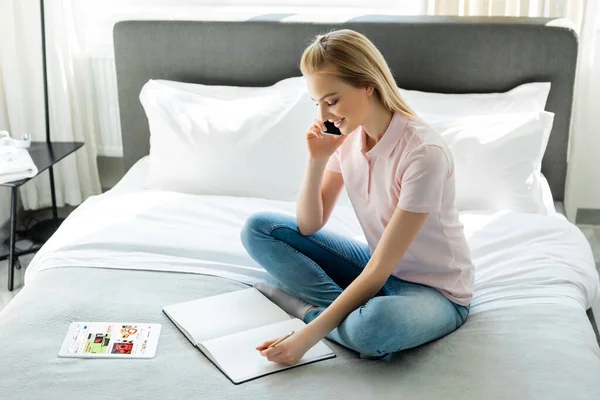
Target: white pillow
[437,107]
[526,99]
[225,140]
[249,141]
[498,160]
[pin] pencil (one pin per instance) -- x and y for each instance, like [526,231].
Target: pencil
[280,340]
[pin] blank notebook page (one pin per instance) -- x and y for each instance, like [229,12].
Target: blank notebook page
[227,313]
[237,356]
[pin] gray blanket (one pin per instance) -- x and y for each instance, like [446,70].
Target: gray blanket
[528,352]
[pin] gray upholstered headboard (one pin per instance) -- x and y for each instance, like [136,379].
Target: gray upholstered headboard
[436,54]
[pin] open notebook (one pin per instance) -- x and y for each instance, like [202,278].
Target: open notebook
[228,327]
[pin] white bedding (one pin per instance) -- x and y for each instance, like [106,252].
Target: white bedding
[519,258]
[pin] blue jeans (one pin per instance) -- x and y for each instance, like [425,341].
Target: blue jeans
[319,267]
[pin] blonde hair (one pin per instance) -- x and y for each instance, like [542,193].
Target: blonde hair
[353,58]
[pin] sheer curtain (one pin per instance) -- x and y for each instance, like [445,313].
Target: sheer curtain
[21,104]
[71,106]
[571,9]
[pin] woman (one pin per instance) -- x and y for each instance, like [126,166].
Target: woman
[413,280]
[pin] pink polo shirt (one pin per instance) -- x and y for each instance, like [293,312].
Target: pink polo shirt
[410,168]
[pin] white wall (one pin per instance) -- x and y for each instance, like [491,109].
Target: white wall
[583,177]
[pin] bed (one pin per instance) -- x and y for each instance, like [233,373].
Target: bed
[125,254]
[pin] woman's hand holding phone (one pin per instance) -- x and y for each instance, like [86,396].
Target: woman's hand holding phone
[321,144]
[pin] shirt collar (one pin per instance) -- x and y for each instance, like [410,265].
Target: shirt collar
[390,138]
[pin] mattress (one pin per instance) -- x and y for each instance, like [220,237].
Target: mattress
[519,258]
[125,254]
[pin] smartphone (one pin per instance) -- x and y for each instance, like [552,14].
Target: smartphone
[331,129]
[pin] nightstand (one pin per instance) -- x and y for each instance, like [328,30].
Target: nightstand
[44,155]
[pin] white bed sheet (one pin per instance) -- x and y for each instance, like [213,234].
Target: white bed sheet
[519,258]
